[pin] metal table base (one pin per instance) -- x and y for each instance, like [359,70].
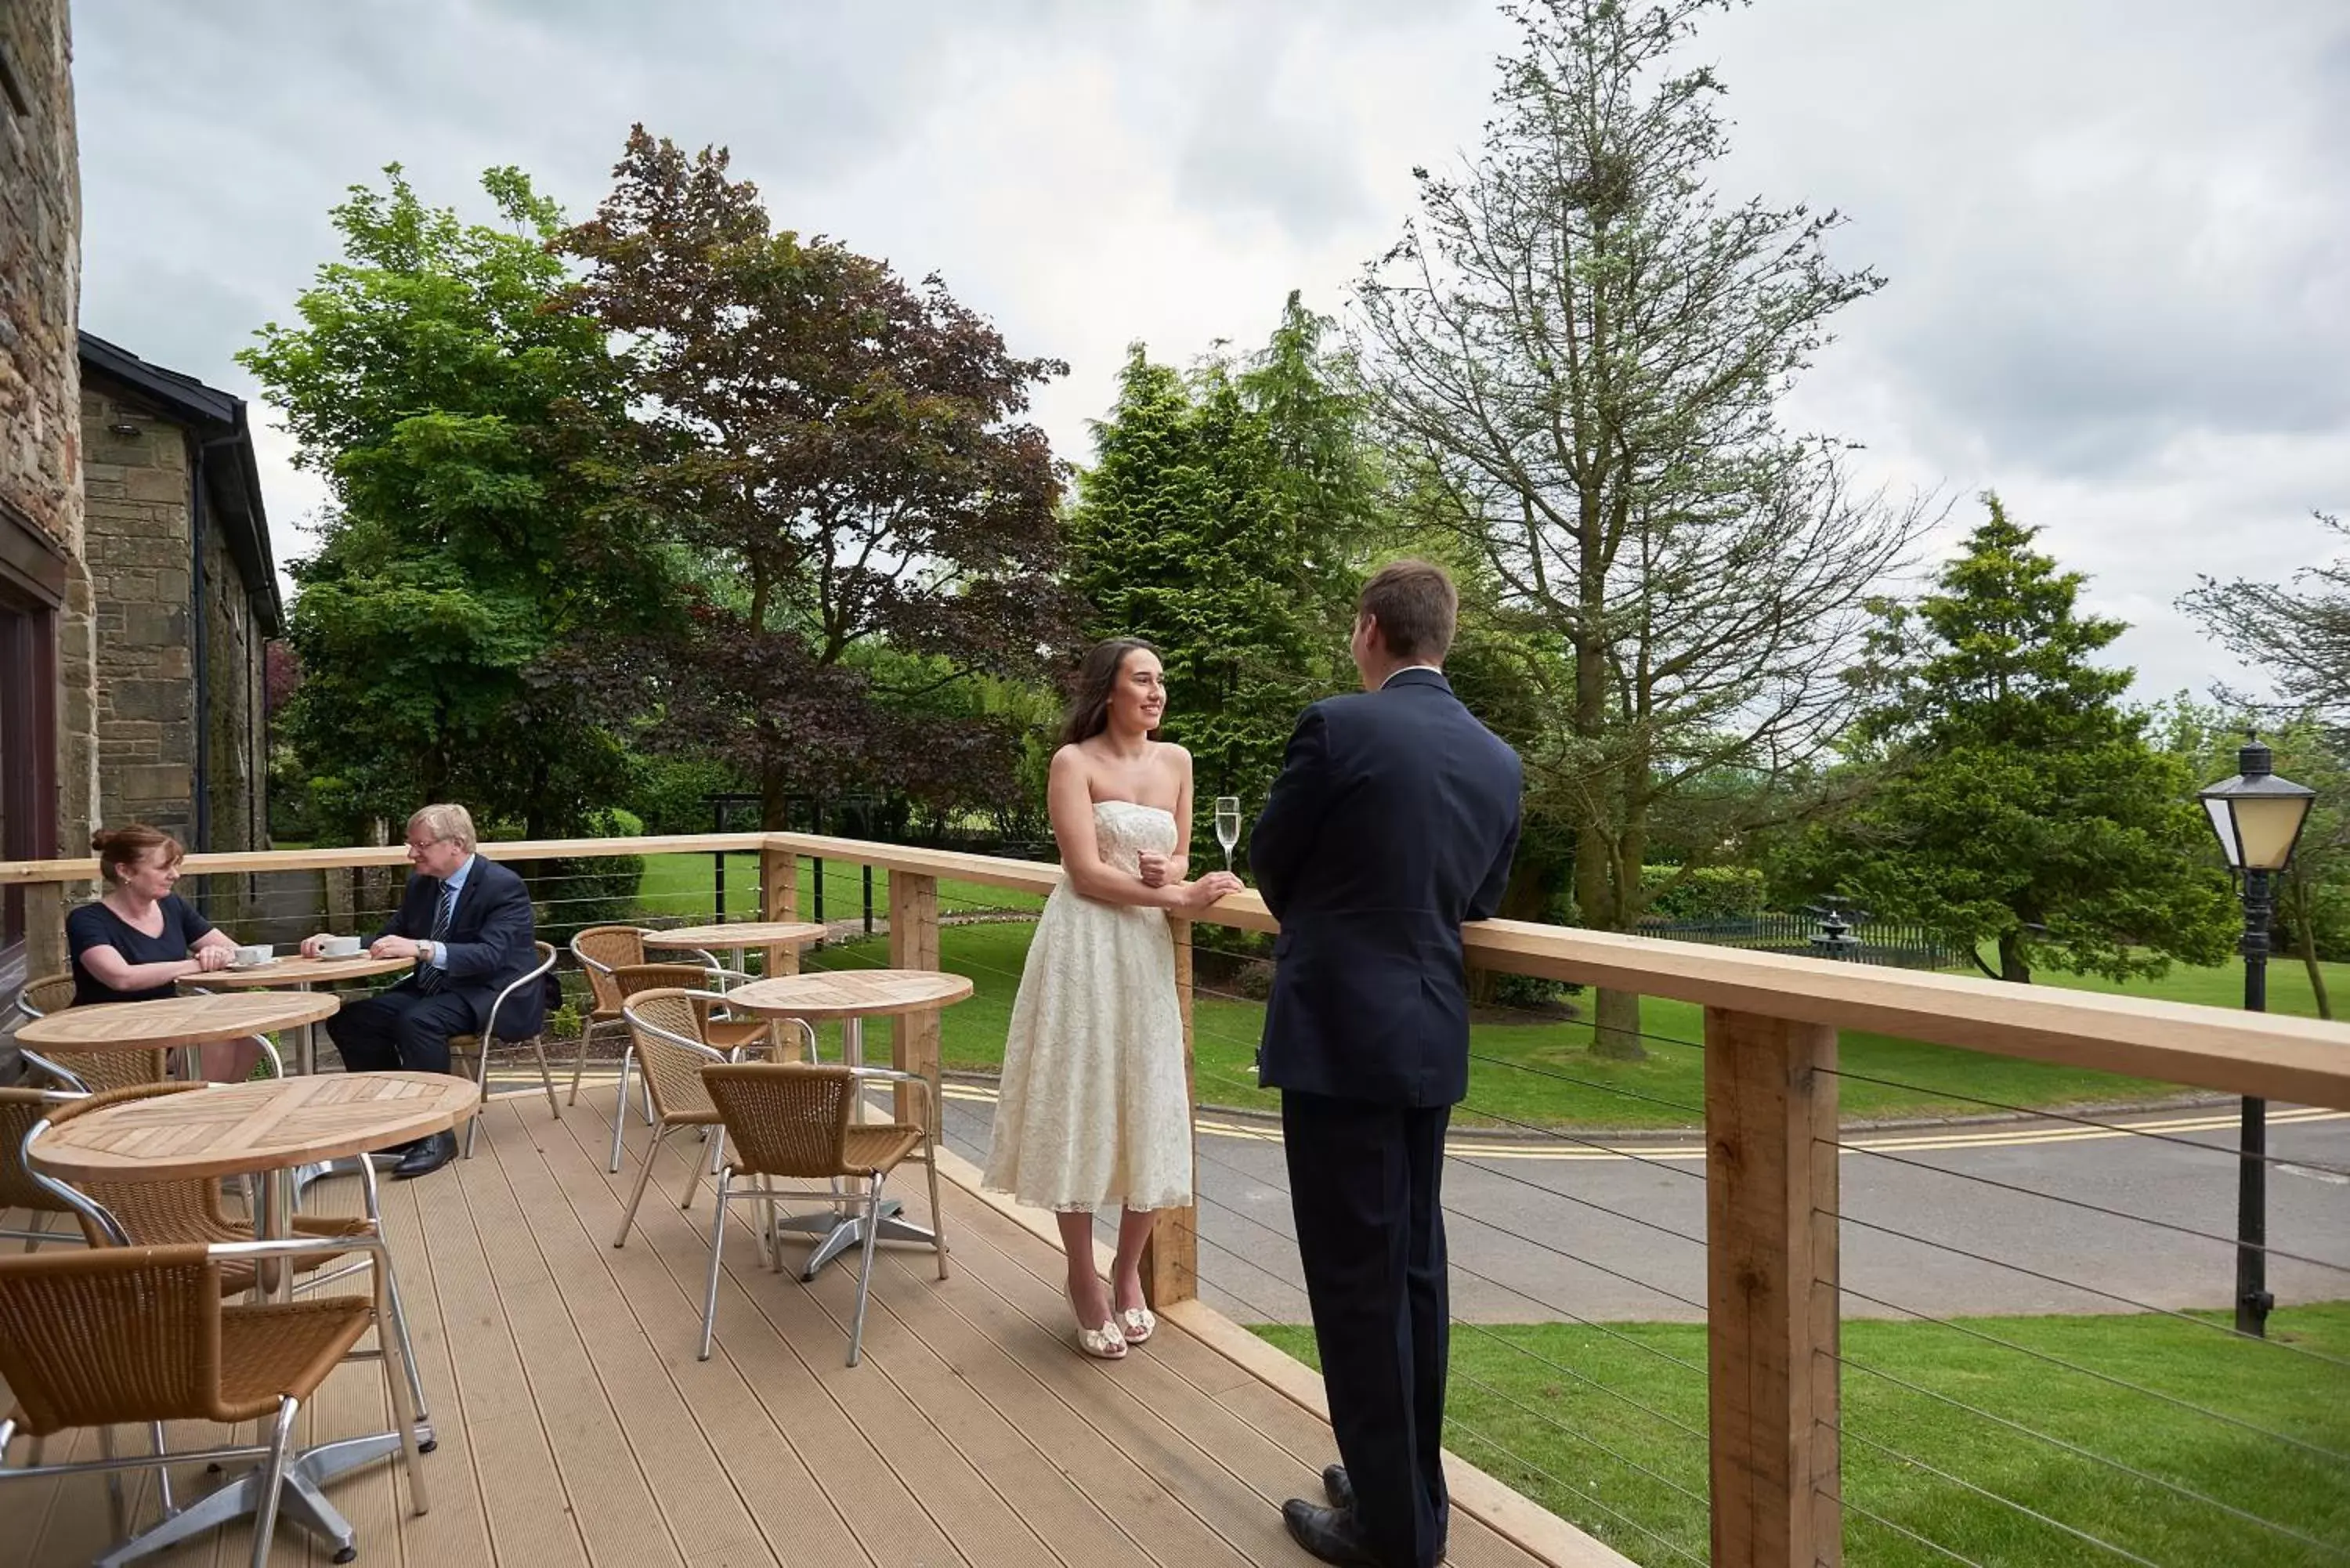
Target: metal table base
[843,1229]
[841,1233]
[301,1501]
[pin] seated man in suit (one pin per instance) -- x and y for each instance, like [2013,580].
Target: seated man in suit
[467,922]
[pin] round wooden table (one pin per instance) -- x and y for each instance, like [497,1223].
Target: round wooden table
[175,1021]
[300,974]
[243,1129]
[270,1128]
[851,996]
[771,937]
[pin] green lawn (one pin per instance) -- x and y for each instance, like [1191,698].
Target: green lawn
[1542,1073]
[1551,1410]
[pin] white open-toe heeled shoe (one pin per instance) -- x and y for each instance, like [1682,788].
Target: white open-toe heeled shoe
[1137,1324]
[1103,1344]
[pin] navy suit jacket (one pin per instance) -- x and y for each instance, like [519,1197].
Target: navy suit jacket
[1392,822]
[490,943]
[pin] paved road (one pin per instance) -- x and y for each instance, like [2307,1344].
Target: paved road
[1557,1230]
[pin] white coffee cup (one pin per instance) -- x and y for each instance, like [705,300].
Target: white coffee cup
[339,946]
[247,955]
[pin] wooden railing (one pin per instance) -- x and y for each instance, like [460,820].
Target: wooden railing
[1771,1024]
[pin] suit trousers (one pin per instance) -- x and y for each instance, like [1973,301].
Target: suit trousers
[401,1028]
[1365,1181]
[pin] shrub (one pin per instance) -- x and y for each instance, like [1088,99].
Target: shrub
[1708,893]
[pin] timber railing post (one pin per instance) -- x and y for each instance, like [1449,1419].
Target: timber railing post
[1771,1291]
[779,900]
[914,944]
[1170,1260]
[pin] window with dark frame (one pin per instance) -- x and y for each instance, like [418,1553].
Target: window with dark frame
[32,584]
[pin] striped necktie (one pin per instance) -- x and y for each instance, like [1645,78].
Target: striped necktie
[429,977]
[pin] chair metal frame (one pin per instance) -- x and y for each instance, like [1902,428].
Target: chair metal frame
[834,1196]
[662,1124]
[486,1040]
[593,969]
[714,996]
[100,1226]
[16,1154]
[265,1493]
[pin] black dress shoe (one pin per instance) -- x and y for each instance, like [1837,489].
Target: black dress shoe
[426,1156]
[1327,1532]
[1337,1488]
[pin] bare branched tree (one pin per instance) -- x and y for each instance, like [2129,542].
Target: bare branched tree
[2296,633]
[1581,352]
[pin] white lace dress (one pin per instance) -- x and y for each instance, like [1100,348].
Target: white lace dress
[1094,1111]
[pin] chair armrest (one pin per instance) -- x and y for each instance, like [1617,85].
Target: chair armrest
[490,1024]
[296,1246]
[658,1032]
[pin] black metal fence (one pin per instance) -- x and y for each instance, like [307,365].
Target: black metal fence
[1893,943]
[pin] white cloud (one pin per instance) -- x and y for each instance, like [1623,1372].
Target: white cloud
[2115,230]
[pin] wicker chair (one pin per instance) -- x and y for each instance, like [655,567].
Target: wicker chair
[93,1071]
[665,1037]
[19,1110]
[478,1046]
[123,1335]
[189,1214]
[722,1033]
[600,949]
[794,1120]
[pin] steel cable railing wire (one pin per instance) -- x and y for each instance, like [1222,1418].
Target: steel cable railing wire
[2131,1302]
[2076,1120]
[2117,1382]
[1456,1267]
[1478,1219]
[2170,1225]
[1455,1424]
[2075,1450]
[1878,1519]
[2019,1427]
[2106,1378]
[2124,1553]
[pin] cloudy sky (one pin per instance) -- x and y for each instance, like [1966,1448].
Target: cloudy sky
[2117,231]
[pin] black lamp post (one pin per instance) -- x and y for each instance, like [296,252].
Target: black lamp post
[2258,818]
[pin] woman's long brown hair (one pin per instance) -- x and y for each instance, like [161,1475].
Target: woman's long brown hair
[1088,714]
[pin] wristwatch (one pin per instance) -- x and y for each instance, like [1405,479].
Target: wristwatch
[424,952]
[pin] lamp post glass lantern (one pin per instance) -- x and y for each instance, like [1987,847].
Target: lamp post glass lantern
[2258,818]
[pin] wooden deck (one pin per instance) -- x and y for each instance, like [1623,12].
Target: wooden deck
[575,1425]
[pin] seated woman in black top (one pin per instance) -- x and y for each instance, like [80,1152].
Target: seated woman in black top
[138,941]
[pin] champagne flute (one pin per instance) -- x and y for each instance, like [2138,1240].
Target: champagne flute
[1228,824]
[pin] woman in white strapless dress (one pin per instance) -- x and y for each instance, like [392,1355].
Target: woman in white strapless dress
[1093,1109]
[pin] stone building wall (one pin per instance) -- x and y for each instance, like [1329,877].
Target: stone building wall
[136,523]
[40,429]
[137,481]
[234,647]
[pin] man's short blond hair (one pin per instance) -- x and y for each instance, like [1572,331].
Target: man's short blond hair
[451,822]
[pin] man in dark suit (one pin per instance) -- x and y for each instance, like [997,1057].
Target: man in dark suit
[468,924]
[1393,821]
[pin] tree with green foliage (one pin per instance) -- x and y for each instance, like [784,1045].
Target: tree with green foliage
[467,436]
[1577,353]
[2017,800]
[1218,523]
[850,457]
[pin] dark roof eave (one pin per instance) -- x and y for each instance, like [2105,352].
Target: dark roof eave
[218,419]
